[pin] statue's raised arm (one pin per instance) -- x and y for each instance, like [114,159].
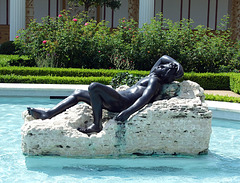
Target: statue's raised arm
[169,77]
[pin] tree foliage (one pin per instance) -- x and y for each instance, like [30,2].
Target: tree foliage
[113,4]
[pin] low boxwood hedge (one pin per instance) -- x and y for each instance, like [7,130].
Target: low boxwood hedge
[208,81]
[53,79]
[235,83]
[72,72]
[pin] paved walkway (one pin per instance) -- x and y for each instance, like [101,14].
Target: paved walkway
[38,90]
[222,92]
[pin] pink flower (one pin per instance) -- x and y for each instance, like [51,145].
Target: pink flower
[123,21]
[59,15]
[129,28]
[17,37]
[86,24]
[74,19]
[44,42]
[124,27]
[99,51]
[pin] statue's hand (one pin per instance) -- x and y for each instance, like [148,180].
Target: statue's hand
[122,116]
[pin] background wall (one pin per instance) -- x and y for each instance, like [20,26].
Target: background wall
[3,12]
[41,8]
[198,10]
[118,13]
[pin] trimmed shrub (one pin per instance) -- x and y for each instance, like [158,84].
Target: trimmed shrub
[53,80]
[210,81]
[207,81]
[222,98]
[235,83]
[22,62]
[8,48]
[15,60]
[36,71]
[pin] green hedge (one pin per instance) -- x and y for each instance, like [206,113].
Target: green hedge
[216,81]
[8,48]
[222,98]
[35,71]
[53,80]
[235,83]
[15,60]
[210,81]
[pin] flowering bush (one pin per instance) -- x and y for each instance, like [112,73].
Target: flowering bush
[122,63]
[66,42]
[82,42]
[198,50]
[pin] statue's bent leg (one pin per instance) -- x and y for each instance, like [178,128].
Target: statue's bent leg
[102,96]
[73,99]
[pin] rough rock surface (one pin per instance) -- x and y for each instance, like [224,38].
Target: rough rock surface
[179,123]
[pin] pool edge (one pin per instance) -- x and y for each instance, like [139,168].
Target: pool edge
[225,110]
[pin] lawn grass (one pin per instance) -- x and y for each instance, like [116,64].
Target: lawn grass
[222,98]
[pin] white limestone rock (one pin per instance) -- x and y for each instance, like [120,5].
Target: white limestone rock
[179,123]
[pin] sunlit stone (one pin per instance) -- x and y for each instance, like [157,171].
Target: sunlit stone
[179,122]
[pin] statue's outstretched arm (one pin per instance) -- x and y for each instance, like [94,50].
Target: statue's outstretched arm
[151,90]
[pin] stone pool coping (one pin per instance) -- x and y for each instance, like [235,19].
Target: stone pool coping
[37,90]
[224,110]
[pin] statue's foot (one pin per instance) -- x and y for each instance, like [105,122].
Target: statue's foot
[91,129]
[38,113]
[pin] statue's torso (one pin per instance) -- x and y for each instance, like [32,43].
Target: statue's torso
[136,91]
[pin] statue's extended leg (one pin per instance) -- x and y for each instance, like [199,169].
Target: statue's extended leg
[78,95]
[102,96]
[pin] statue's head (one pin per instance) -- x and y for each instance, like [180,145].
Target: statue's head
[167,69]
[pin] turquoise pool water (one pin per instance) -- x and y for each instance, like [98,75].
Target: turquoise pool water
[222,164]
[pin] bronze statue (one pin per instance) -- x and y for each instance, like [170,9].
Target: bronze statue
[126,102]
